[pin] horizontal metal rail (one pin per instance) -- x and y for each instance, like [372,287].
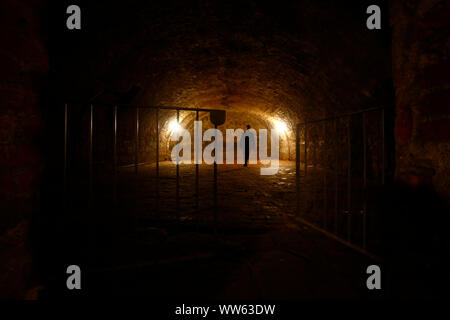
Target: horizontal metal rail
[135,164]
[345,115]
[149,107]
[339,239]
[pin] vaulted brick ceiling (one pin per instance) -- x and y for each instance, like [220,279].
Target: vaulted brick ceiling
[301,60]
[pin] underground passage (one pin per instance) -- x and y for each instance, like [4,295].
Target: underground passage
[224,150]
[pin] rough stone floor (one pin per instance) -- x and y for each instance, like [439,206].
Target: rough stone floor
[255,250]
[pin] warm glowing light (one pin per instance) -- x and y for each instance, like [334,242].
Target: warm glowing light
[280,126]
[174,126]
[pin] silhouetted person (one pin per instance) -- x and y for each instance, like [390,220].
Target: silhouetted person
[247,147]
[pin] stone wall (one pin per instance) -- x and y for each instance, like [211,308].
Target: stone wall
[415,212]
[24,65]
[420,49]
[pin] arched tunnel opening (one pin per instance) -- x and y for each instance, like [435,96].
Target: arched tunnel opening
[351,118]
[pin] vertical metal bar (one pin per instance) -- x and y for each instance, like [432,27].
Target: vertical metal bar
[91,173]
[177,196]
[196,171]
[336,180]
[315,186]
[297,168]
[364,218]
[157,160]
[115,156]
[306,150]
[324,178]
[314,155]
[215,181]
[349,182]
[289,148]
[65,158]
[136,146]
[382,148]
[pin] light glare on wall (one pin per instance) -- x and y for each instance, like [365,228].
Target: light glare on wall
[174,126]
[280,126]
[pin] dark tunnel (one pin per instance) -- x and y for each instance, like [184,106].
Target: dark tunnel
[87,137]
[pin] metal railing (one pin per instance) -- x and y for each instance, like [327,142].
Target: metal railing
[136,164]
[332,175]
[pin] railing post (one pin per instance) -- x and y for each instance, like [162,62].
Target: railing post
[336,172]
[325,204]
[136,147]
[196,169]
[177,196]
[314,150]
[383,159]
[215,181]
[349,180]
[115,156]
[157,160]
[65,158]
[306,150]
[364,180]
[91,173]
[297,168]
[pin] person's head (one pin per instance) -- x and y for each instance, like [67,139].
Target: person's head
[248,126]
